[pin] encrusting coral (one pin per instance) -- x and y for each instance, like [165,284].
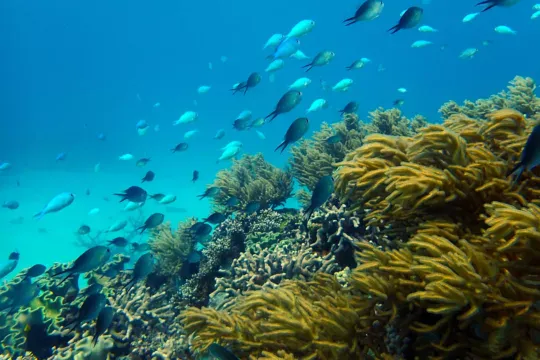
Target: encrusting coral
[252,179]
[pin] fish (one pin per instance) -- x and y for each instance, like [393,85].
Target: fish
[229,153]
[59,202]
[535,15]
[93,211]
[189,134]
[317,105]
[321,59]
[468,53]
[398,102]
[503,29]
[238,86]
[117,226]
[334,139]
[130,206]
[286,103]
[300,84]
[4,165]
[133,194]
[11,204]
[273,41]
[61,156]
[200,229]
[152,221]
[235,143]
[195,176]
[142,162]
[492,3]
[357,64]
[257,123]
[215,218]
[302,28]
[157,197]
[168,199]
[104,320]
[350,108]
[343,85]
[295,132]
[253,80]
[530,155]
[470,17]
[89,310]
[89,260]
[210,192]
[427,29]
[402,90]
[420,44]
[219,134]
[35,271]
[260,135]
[321,193]
[143,267]
[187,117]
[252,207]
[84,230]
[221,353]
[180,147]
[136,247]
[275,65]
[368,11]
[125,157]
[232,201]
[410,19]
[119,241]
[285,49]
[7,267]
[241,124]
[18,295]
[149,176]
[299,55]
[203,89]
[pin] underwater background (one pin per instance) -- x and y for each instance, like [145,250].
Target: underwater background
[77,78]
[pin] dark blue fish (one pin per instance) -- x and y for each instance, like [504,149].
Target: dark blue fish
[334,139]
[240,86]
[296,130]
[133,194]
[369,10]
[321,193]
[215,218]
[241,124]
[137,247]
[530,155]
[492,3]
[180,147]
[194,257]
[285,104]
[220,134]
[91,259]
[89,310]
[142,162]
[119,241]
[350,108]
[410,19]
[11,205]
[35,271]
[143,267]
[103,322]
[221,353]
[84,230]
[153,221]
[195,176]
[252,207]
[148,177]
[253,80]
[232,201]
[91,289]
[18,295]
[209,192]
[201,229]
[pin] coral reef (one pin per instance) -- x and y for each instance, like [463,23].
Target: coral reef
[520,96]
[252,179]
[172,247]
[259,268]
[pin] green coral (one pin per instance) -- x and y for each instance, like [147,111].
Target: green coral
[313,158]
[172,247]
[519,96]
[250,179]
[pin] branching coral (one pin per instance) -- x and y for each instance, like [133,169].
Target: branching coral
[520,96]
[253,179]
[172,247]
[392,122]
[259,268]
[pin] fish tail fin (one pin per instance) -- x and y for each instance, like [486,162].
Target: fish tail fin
[40,215]
[272,116]
[130,282]
[488,7]
[516,172]
[349,68]
[270,57]
[307,67]
[283,145]
[245,90]
[142,228]
[394,29]
[63,280]
[484,2]
[123,196]
[95,339]
[349,21]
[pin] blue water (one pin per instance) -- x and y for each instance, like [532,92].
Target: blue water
[71,70]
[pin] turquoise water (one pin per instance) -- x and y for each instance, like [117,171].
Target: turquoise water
[71,71]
